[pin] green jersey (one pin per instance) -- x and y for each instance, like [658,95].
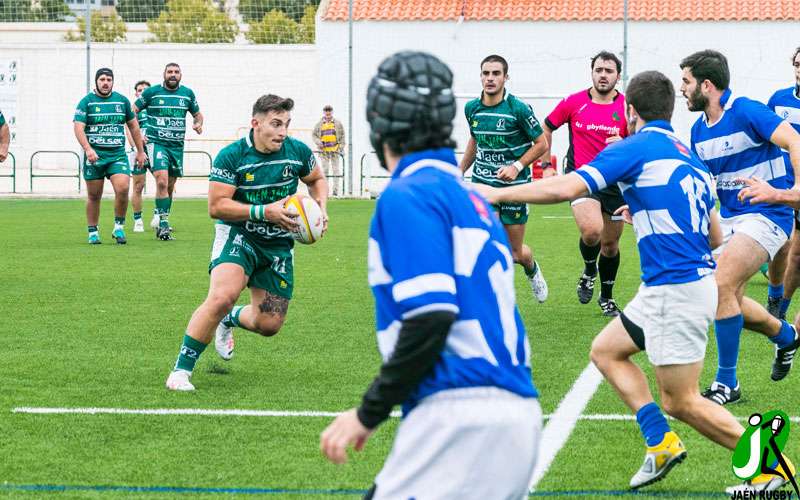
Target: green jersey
[502,133]
[2,119]
[262,178]
[166,113]
[105,119]
[141,117]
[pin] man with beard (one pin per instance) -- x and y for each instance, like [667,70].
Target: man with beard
[505,138]
[253,247]
[740,138]
[99,126]
[784,273]
[166,106]
[596,118]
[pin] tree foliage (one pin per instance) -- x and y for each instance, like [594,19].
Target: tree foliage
[255,10]
[137,11]
[104,27]
[193,21]
[29,11]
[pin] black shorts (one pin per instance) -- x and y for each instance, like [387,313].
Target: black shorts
[796,220]
[635,331]
[610,198]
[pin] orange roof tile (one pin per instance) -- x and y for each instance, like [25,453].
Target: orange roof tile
[566,10]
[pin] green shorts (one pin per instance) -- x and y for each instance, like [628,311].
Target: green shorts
[270,268]
[165,158]
[132,160]
[512,213]
[108,163]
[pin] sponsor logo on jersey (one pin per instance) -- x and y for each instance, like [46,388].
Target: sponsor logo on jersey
[119,108]
[249,177]
[474,123]
[287,171]
[682,149]
[238,240]
[615,116]
[161,101]
[234,252]
[501,124]
[97,109]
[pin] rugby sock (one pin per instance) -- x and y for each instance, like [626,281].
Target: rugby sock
[775,291]
[191,350]
[119,222]
[589,255]
[728,331]
[652,423]
[162,209]
[137,215]
[532,271]
[607,266]
[785,305]
[785,337]
[92,229]
[231,320]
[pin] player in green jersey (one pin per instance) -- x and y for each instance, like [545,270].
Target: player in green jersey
[505,138]
[253,248]
[99,123]
[167,105]
[5,138]
[138,173]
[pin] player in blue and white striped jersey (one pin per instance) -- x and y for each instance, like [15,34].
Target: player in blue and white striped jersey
[738,138]
[671,206]
[784,275]
[453,343]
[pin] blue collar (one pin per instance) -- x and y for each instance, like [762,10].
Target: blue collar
[445,155]
[723,99]
[662,124]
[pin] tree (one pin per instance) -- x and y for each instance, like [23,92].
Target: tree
[27,11]
[192,21]
[104,27]
[307,27]
[137,11]
[275,27]
[254,10]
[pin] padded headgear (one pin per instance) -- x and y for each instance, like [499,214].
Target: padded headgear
[410,103]
[103,71]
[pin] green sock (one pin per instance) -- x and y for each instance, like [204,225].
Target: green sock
[137,215]
[191,350]
[92,229]
[231,320]
[162,208]
[119,221]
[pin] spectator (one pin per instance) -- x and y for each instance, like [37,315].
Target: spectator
[329,138]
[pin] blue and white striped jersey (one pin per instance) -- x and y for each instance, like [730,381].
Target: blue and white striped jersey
[436,245]
[786,104]
[668,190]
[737,146]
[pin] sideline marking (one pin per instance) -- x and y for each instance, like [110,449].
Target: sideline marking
[556,433]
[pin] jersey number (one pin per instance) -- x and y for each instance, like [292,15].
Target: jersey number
[694,189]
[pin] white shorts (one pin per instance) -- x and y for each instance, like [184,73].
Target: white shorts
[675,319]
[765,232]
[460,444]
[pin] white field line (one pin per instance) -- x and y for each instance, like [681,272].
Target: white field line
[560,424]
[265,413]
[557,217]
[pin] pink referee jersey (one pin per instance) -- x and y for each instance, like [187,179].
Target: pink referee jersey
[590,124]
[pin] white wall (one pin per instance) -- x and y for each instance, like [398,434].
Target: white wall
[553,58]
[227,79]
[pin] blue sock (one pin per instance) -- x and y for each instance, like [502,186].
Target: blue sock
[728,331]
[775,291]
[785,337]
[231,319]
[785,305]
[652,423]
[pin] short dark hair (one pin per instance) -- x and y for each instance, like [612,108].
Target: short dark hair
[796,51]
[141,82]
[272,102]
[496,58]
[652,94]
[709,65]
[327,107]
[172,65]
[607,56]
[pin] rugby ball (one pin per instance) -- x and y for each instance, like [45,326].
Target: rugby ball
[309,218]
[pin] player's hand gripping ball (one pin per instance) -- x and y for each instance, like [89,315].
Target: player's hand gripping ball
[310,220]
